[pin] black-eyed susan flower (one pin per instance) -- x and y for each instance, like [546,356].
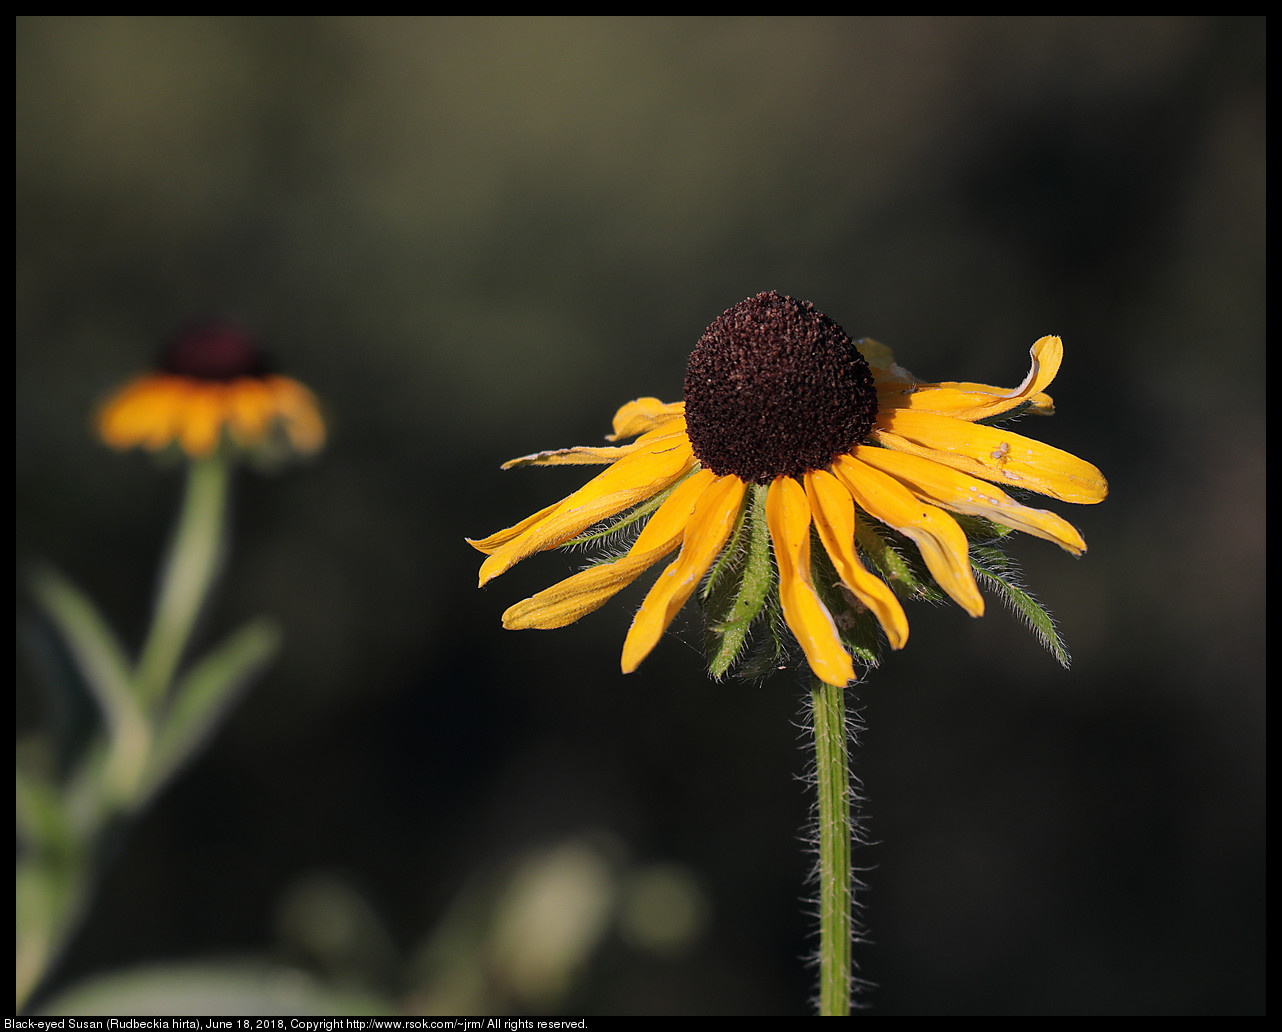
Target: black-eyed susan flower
[213,386]
[796,442]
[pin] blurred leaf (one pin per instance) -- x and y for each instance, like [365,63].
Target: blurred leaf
[204,695]
[330,925]
[248,987]
[98,655]
[49,898]
[41,818]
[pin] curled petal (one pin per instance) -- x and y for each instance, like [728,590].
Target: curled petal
[974,401]
[644,414]
[955,491]
[788,516]
[942,543]
[833,510]
[707,530]
[991,453]
[632,479]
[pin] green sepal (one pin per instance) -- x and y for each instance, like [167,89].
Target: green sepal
[770,651]
[740,582]
[979,530]
[619,525]
[995,570]
[896,560]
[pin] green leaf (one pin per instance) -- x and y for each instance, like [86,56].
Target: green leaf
[51,894]
[97,654]
[997,571]
[204,695]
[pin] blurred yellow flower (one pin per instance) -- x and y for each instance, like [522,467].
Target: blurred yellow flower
[213,385]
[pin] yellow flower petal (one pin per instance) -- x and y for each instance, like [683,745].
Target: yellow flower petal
[668,525]
[147,412]
[298,407]
[707,530]
[579,456]
[641,415]
[251,407]
[576,596]
[126,418]
[991,453]
[586,456]
[632,479]
[590,589]
[161,415]
[931,482]
[973,401]
[833,510]
[502,537]
[202,419]
[788,517]
[887,374]
[942,543]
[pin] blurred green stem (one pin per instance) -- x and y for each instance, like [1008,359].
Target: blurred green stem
[828,708]
[187,575]
[150,724]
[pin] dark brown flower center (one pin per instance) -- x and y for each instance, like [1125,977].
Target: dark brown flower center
[213,350]
[775,388]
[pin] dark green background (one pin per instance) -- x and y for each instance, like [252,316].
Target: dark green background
[474,239]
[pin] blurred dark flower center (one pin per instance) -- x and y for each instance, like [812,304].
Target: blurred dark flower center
[213,350]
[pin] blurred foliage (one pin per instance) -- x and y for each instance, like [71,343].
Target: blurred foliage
[475,238]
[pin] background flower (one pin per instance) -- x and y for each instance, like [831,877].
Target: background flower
[463,232]
[213,387]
